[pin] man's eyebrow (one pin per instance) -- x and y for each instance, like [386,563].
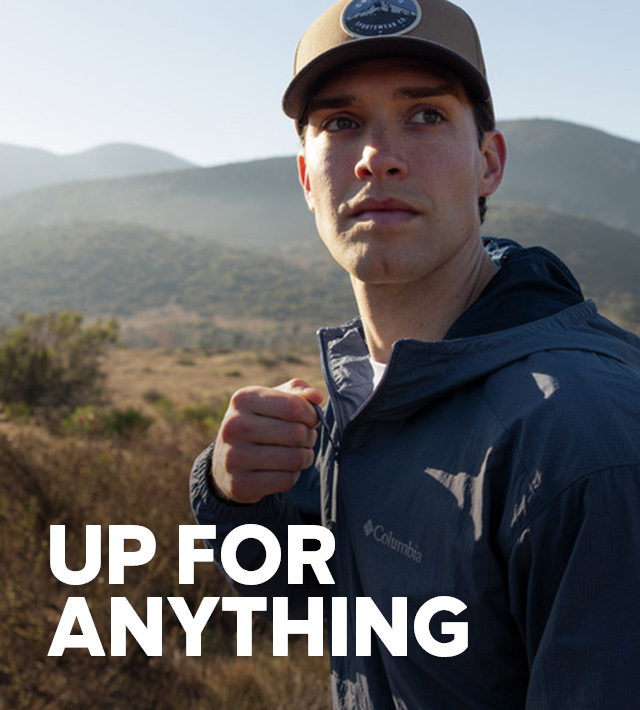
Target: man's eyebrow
[425,92]
[406,92]
[330,102]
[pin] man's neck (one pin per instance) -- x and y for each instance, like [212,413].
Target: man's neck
[425,309]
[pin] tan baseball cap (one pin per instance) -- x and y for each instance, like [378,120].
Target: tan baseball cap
[357,30]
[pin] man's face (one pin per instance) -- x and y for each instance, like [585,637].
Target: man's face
[393,169]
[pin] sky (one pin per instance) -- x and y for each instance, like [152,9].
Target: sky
[203,79]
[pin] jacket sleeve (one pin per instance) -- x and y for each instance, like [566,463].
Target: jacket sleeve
[275,512]
[574,581]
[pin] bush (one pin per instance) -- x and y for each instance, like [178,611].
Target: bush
[16,412]
[167,409]
[126,422]
[92,420]
[52,360]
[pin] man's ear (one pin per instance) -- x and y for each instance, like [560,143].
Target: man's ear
[304,180]
[494,153]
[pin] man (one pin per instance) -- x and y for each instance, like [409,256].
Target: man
[481,439]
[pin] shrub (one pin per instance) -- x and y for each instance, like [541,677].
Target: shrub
[16,411]
[152,395]
[92,420]
[83,420]
[53,360]
[126,422]
[167,409]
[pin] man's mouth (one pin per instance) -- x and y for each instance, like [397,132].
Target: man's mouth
[386,211]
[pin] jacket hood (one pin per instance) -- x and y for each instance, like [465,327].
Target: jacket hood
[531,284]
[533,304]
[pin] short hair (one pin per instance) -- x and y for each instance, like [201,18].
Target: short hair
[485,121]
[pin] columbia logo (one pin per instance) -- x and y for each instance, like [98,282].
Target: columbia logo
[388,539]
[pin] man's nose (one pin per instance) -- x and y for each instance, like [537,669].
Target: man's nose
[381,157]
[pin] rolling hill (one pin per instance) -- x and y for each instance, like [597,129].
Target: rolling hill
[128,269]
[573,169]
[257,204]
[125,270]
[235,245]
[31,168]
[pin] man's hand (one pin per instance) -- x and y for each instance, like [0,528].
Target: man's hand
[266,438]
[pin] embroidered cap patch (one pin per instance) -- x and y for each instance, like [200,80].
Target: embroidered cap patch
[380,18]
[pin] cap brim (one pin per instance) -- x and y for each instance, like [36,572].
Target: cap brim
[305,82]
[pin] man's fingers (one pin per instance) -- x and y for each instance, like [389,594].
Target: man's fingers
[249,459]
[266,438]
[267,430]
[279,403]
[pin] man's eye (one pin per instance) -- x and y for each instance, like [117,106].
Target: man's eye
[427,116]
[339,123]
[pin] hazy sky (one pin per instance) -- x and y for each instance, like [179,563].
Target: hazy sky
[203,78]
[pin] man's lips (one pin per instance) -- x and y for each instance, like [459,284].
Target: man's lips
[387,205]
[387,211]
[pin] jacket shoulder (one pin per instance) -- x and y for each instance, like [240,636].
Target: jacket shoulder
[565,415]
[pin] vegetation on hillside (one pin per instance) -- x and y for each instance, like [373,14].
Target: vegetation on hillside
[215,296]
[52,361]
[125,269]
[251,274]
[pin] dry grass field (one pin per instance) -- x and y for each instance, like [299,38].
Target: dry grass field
[192,377]
[81,477]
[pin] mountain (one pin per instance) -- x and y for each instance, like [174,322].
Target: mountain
[30,168]
[573,169]
[235,244]
[257,204]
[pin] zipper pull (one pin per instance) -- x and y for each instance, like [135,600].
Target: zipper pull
[326,427]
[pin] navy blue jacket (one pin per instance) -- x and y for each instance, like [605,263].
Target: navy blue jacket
[499,466]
